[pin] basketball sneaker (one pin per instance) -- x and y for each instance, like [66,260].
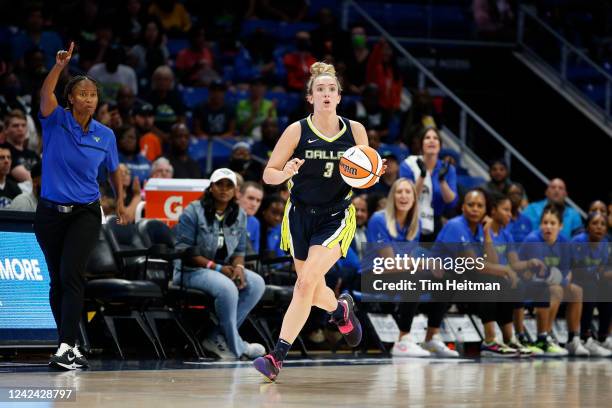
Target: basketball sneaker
[608,343]
[550,348]
[438,349]
[254,350]
[64,358]
[80,361]
[406,347]
[268,366]
[349,326]
[216,344]
[595,349]
[524,350]
[575,348]
[496,349]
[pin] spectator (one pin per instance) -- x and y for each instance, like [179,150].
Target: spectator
[269,136]
[215,117]
[13,98]
[217,226]
[8,188]
[111,74]
[150,52]
[34,37]
[250,113]
[556,193]
[195,63]
[384,72]
[161,168]
[270,217]
[172,14]
[23,159]
[129,153]
[436,183]
[256,59]
[590,263]
[107,113]
[391,174]
[369,113]
[33,73]
[183,165]
[125,103]
[519,225]
[361,219]
[27,201]
[357,62]
[328,39]
[148,135]
[500,180]
[421,115]
[298,63]
[166,100]
[131,22]
[598,206]
[131,190]
[94,45]
[241,162]
[249,198]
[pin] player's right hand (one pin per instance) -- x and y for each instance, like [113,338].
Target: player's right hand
[292,166]
[62,58]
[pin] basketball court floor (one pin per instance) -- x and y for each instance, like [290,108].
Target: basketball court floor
[326,382]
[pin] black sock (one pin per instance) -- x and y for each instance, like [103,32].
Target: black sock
[570,336]
[542,336]
[585,336]
[338,314]
[281,350]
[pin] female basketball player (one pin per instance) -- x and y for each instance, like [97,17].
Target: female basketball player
[319,221]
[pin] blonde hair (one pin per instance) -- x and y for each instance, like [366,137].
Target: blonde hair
[413,213]
[320,69]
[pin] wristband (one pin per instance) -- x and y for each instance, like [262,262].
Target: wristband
[218,268]
[211,265]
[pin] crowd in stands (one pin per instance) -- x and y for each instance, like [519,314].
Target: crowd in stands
[176,76]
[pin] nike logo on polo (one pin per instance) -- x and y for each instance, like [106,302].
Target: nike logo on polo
[97,139]
[334,214]
[311,140]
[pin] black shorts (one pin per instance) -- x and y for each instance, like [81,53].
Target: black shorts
[302,229]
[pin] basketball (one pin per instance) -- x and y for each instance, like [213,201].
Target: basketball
[360,166]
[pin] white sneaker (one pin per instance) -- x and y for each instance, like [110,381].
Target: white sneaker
[437,348]
[595,349]
[405,347]
[216,344]
[254,350]
[608,343]
[575,348]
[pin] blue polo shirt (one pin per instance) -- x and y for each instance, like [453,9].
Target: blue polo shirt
[587,259]
[519,228]
[378,232]
[253,232]
[557,254]
[71,158]
[437,201]
[503,244]
[458,233]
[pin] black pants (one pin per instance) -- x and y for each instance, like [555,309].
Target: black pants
[67,240]
[435,313]
[593,291]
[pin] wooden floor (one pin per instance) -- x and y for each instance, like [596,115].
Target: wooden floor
[335,383]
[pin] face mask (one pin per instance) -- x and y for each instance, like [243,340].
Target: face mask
[303,44]
[359,41]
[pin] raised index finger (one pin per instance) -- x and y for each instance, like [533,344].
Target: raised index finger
[71,48]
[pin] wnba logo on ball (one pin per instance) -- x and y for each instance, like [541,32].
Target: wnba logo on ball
[173,207]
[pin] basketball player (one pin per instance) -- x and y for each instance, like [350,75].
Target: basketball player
[319,220]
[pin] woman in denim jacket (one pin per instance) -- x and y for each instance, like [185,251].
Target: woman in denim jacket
[217,226]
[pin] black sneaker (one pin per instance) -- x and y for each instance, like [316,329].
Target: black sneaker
[64,358]
[349,326]
[80,361]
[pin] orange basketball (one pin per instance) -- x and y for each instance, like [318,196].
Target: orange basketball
[360,166]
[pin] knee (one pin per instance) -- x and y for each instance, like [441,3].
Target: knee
[255,283]
[305,286]
[575,293]
[556,292]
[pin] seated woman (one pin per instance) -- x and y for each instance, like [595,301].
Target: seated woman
[594,275]
[399,222]
[548,245]
[217,226]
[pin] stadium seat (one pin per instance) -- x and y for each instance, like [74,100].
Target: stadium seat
[194,96]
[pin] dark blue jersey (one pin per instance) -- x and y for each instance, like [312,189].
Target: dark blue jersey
[318,182]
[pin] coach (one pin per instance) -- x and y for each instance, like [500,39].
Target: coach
[68,215]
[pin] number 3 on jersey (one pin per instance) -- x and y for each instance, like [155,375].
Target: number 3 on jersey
[329,169]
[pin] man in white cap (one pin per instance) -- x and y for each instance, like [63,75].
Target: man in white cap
[217,226]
